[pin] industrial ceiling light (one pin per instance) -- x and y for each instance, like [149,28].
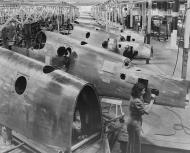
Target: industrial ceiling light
[170,6]
[171,2]
[154,3]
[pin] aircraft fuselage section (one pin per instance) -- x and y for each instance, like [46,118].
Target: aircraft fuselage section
[107,70]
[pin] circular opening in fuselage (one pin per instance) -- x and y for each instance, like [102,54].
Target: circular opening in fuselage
[61,51]
[20,85]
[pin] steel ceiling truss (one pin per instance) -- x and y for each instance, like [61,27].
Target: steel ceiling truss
[23,13]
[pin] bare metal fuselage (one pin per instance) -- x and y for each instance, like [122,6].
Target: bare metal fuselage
[41,106]
[106,70]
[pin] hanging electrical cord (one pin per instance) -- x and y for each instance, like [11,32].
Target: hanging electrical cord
[177,126]
[179,43]
[176,60]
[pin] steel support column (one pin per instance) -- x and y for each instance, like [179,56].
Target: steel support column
[148,35]
[186,48]
[174,23]
[143,16]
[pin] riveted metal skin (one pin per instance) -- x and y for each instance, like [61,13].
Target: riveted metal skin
[104,69]
[44,111]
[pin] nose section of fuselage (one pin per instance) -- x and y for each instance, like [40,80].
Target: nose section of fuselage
[172,92]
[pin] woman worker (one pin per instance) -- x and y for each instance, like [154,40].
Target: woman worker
[136,110]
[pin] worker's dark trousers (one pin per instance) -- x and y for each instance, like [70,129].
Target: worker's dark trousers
[134,143]
[123,146]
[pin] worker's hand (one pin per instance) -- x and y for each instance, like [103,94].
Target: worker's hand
[122,114]
[153,96]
